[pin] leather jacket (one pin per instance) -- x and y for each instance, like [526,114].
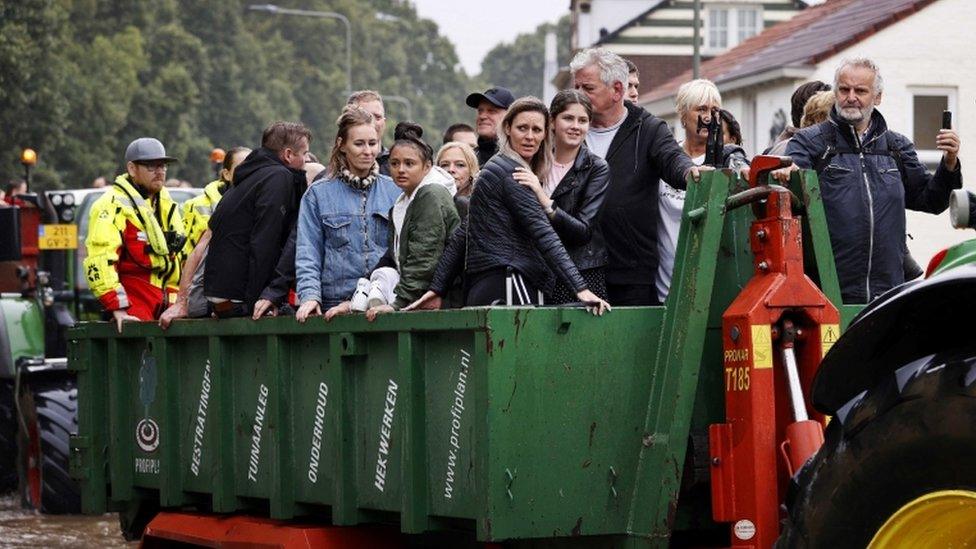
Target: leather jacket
[507,228]
[577,200]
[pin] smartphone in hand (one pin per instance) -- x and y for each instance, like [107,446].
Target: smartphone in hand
[946,120]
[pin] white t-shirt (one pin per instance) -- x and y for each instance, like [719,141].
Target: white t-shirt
[598,139]
[671,204]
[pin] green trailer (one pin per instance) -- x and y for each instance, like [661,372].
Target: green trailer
[521,425]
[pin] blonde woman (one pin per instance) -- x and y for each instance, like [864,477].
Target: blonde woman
[343,222]
[459,160]
[817,108]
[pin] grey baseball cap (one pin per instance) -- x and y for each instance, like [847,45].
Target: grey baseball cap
[146,149]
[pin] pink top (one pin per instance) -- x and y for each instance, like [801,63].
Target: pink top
[556,174]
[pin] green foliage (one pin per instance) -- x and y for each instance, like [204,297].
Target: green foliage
[518,66]
[79,79]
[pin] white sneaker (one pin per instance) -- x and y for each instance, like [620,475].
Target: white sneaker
[376,297]
[359,298]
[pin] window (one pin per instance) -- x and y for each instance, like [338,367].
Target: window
[927,114]
[718,29]
[728,26]
[925,119]
[748,20]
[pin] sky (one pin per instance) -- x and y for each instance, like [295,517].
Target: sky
[475,27]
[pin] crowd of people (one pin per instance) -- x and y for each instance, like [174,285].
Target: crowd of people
[575,202]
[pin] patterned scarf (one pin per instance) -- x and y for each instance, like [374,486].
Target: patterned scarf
[360,183]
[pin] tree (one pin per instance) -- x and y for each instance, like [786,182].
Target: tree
[33,78]
[80,79]
[519,65]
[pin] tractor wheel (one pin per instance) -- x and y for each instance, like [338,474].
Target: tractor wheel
[8,437]
[897,464]
[50,409]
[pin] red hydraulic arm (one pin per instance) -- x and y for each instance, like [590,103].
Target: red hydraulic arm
[774,335]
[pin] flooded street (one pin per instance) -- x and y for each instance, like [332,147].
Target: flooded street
[23,528]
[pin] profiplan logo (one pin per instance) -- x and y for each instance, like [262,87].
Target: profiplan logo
[147,430]
[147,435]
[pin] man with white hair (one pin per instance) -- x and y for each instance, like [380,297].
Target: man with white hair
[641,152]
[868,176]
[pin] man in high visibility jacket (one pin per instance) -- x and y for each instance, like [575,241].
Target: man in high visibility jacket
[197,212]
[135,238]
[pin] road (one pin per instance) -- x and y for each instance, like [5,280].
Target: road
[22,528]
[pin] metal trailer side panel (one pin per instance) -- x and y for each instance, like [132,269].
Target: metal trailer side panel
[228,419]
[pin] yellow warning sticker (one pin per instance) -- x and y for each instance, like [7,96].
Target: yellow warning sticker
[762,346]
[828,336]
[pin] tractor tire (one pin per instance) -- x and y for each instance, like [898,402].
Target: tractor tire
[912,435]
[8,437]
[50,409]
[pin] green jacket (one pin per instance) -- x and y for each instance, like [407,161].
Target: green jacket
[430,220]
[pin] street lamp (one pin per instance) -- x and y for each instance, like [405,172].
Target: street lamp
[276,10]
[28,157]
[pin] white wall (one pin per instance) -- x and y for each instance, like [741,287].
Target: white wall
[610,15]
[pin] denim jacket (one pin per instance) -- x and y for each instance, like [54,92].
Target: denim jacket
[342,234]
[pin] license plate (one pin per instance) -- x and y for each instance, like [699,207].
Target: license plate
[57,237]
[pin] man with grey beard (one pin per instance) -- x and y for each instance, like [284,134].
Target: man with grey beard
[868,176]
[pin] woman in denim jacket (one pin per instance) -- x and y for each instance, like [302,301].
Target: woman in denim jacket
[343,221]
[423,219]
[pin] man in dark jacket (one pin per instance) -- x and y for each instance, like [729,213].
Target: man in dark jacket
[641,151]
[491,106]
[251,261]
[868,176]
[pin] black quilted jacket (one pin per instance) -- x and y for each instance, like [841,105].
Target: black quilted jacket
[506,226]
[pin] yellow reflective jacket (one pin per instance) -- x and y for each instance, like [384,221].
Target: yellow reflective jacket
[197,212]
[129,264]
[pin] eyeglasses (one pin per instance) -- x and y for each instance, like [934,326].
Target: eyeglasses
[154,166]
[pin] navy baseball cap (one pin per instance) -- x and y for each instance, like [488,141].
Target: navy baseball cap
[497,96]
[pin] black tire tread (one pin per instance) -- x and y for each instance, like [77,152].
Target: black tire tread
[56,409]
[8,437]
[947,380]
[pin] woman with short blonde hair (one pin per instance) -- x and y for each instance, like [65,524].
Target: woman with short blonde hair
[459,160]
[464,167]
[817,108]
[694,93]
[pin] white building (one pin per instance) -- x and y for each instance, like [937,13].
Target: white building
[923,47]
[658,35]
